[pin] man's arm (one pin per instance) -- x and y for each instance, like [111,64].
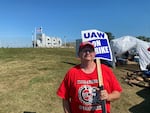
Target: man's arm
[66,106]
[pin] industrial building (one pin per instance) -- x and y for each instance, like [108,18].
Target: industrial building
[40,40]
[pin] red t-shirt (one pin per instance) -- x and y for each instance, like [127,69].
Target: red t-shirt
[80,88]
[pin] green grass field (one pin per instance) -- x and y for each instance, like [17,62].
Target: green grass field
[30,77]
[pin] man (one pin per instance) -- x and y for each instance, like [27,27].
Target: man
[79,89]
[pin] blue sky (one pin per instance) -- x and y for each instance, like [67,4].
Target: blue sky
[66,18]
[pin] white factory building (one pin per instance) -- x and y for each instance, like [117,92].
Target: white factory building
[40,40]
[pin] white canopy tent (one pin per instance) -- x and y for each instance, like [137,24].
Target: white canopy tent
[125,43]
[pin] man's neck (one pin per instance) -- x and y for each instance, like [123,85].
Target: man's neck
[88,67]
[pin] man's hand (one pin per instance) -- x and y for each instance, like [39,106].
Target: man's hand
[104,95]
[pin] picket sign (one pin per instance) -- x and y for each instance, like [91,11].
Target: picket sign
[100,41]
[103,51]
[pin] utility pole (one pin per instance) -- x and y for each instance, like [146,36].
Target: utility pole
[65,40]
[33,39]
[35,31]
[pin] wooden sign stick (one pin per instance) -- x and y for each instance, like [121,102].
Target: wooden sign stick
[100,81]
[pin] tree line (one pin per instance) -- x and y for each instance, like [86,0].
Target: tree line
[111,37]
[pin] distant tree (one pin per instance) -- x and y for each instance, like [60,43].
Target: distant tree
[110,36]
[147,39]
[141,37]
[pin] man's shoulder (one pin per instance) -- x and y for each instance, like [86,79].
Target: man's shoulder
[104,66]
[74,68]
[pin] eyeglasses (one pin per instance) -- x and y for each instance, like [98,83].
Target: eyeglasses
[87,50]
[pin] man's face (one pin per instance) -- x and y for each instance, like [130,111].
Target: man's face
[87,53]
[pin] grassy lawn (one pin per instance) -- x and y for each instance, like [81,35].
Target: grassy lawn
[30,77]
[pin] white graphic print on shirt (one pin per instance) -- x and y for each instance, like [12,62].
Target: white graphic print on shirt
[88,95]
